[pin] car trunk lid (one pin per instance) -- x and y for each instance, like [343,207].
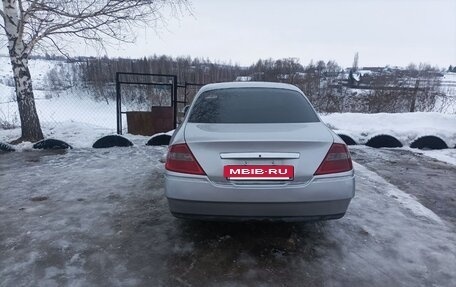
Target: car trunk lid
[302,145]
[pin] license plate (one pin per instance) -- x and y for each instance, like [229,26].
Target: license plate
[258,172]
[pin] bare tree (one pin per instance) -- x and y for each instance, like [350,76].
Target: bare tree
[31,24]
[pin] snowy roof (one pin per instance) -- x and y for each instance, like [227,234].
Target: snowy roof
[364,72]
[243,78]
[356,76]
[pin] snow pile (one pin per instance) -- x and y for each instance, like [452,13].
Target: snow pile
[406,127]
[77,134]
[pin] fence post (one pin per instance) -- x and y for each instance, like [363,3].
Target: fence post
[118,105]
[175,100]
[185,93]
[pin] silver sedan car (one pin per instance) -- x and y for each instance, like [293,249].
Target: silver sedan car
[256,151]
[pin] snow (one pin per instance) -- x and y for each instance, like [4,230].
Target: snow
[78,135]
[70,115]
[445,155]
[450,76]
[406,127]
[39,69]
[364,72]
[86,208]
[70,106]
[55,107]
[356,77]
[408,201]
[170,133]
[106,222]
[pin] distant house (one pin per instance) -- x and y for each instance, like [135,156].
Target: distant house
[243,78]
[353,79]
[374,69]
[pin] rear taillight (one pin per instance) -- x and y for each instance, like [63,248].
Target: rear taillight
[337,160]
[181,159]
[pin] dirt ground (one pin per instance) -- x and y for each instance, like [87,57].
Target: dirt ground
[99,218]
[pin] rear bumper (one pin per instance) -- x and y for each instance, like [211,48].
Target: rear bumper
[308,211]
[319,199]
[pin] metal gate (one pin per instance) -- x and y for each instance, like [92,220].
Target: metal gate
[158,118]
[144,118]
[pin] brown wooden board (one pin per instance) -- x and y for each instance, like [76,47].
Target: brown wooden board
[160,119]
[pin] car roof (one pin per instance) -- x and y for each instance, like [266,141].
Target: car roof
[231,85]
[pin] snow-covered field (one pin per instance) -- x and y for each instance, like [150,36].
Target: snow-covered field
[62,111]
[70,115]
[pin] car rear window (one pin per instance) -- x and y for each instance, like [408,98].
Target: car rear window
[252,105]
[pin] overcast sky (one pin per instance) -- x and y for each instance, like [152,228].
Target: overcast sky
[384,32]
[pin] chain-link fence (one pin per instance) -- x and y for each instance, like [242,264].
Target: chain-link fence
[64,108]
[75,109]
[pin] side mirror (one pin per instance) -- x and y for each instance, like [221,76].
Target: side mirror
[186,108]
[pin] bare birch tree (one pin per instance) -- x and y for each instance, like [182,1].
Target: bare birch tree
[31,24]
